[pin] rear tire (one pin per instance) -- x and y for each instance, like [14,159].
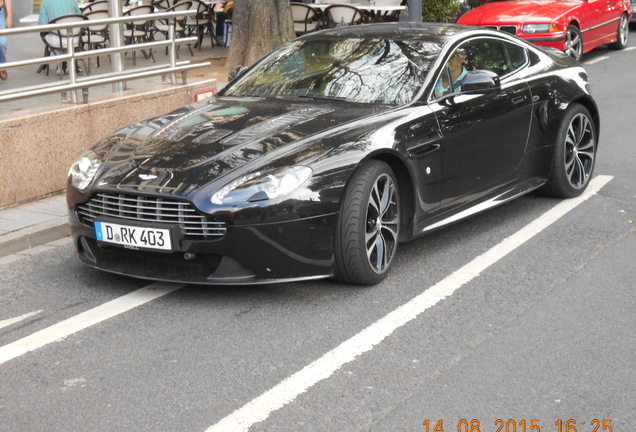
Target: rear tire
[622,35]
[574,154]
[368,228]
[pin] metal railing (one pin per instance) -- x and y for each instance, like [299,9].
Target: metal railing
[76,84]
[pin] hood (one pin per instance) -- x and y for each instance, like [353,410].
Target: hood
[517,12]
[199,144]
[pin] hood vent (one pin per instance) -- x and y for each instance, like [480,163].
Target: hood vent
[211,136]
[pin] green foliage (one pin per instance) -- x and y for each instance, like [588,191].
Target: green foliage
[440,10]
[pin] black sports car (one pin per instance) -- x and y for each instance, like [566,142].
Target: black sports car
[322,157]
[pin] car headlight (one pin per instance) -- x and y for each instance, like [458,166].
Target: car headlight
[84,169]
[541,28]
[262,185]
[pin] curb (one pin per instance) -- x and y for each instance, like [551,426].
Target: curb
[33,236]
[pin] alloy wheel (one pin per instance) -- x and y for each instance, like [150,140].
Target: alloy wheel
[573,43]
[382,223]
[579,151]
[623,31]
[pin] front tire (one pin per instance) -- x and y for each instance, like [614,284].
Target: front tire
[573,42]
[574,154]
[368,228]
[622,35]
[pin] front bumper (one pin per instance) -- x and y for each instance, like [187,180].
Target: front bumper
[553,41]
[252,254]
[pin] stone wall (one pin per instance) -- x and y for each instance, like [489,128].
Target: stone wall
[38,147]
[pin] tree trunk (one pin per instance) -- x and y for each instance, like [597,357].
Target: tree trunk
[258,26]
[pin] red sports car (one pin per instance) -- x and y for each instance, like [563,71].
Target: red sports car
[572,26]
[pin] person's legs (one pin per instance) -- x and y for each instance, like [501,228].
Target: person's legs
[220,27]
[3,39]
[3,45]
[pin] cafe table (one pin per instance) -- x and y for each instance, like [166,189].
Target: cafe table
[30,19]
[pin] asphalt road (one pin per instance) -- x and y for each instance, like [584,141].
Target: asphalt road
[468,330]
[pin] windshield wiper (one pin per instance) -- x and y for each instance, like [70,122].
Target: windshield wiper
[318,97]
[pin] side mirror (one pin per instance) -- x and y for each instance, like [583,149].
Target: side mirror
[235,72]
[481,82]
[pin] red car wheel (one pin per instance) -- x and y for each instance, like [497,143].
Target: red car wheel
[573,42]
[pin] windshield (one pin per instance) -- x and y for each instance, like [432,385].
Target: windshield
[357,70]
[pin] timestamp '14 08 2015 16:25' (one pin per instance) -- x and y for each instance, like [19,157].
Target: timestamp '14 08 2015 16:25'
[511,425]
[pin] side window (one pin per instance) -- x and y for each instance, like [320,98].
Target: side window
[518,56]
[490,55]
[494,55]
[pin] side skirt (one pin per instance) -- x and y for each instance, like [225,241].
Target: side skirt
[508,195]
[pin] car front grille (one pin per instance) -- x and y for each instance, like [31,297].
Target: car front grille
[137,208]
[505,28]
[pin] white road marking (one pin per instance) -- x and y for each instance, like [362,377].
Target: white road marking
[596,60]
[11,321]
[260,408]
[86,319]
[630,48]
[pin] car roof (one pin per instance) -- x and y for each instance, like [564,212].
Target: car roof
[439,32]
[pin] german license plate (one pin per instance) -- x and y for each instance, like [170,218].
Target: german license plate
[133,237]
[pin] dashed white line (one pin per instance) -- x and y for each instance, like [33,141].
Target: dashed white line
[11,321]
[86,319]
[596,60]
[260,408]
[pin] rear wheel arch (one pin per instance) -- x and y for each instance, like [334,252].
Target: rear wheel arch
[593,110]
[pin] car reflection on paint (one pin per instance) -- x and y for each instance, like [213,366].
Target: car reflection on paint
[321,158]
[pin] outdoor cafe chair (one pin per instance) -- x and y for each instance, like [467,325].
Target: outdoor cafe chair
[96,36]
[56,41]
[161,5]
[228,31]
[138,31]
[343,14]
[200,23]
[305,18]
[101,5]
[163,25]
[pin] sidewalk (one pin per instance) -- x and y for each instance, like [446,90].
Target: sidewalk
[26,227]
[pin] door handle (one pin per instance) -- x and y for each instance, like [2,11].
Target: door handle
[518,100]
